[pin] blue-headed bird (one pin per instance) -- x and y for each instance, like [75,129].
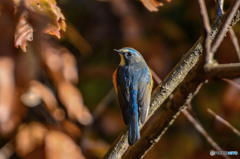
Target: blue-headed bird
[133,84]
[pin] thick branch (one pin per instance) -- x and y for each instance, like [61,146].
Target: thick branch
[181,83]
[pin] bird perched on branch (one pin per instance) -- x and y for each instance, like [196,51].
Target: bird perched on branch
[133,84]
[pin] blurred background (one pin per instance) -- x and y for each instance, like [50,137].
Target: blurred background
[56,65]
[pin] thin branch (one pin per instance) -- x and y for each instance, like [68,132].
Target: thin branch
[202,131]
[232,34]
[224,28]
[103,103]
[224,70]
[156,78]
[181,84]
[235,41]
[224,122]
[233,83]
[204,14]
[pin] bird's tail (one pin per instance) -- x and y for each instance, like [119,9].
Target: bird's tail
[134,133]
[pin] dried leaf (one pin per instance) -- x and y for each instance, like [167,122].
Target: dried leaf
[69,66]
[72,100]
[9,106]
[60,146]
[53,60]
[48,98]
[60,63]
[49,9]
[16,2]
[152,5]
[71,128]
[16,5]
[23,33]
[29,138]
[96,147]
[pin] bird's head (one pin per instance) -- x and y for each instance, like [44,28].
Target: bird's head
[129,56]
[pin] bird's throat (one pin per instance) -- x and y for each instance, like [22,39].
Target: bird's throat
[122,61]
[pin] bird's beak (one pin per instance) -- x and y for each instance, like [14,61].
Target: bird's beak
[117,51]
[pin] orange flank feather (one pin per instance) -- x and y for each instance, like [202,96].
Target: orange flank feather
[115,80]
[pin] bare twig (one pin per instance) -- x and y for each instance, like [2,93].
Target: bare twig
[202,131]
[203,9]
[204,14]
[156,78]
[232,34]
[233,83]
[224,122]
[103,103]
[224,28]
[224,70]
[235,41]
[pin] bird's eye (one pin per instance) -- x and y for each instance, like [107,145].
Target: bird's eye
[129,54]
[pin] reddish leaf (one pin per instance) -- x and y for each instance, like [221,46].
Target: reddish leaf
[72,100]
[60,146]
[152,5]
[48,8]
[23,33]
[60,62]
[29,138]
[9,105]
[71,128]
[48,98]
[69,66]
[52,59]
[97,148]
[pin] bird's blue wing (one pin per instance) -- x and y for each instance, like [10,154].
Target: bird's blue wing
[144,94]
[122,93]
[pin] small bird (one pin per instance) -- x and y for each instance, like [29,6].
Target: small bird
[133,84]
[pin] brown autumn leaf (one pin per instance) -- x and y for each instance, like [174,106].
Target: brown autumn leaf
[23,33]
[70,72]
[52,59]
[16,4]
[97,148]
[48,8]
[10,108]
[48,98]
[30,137]
[60,62]
[152,5]
[71,129]
[60,146]
[72,100]
[57,63]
